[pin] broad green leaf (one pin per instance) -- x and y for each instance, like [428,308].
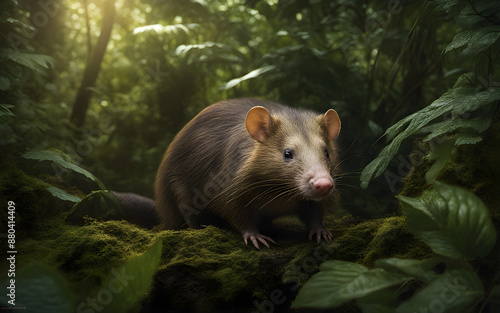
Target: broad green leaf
[40,289]
[474,100]
[475,40]
[451,220]
[421,269]
[477,124]
[129,284]
[454,291]
[340,281]
[62,160]
[461,39]
[252,74]
[382,301]
[467,140]
[62,194]
[36,62]
[482,40]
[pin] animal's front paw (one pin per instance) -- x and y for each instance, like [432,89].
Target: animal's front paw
[320,233]
[255,238]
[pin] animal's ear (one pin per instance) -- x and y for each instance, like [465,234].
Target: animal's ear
[258,123]
[332,122]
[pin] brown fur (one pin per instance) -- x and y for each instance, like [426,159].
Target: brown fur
[214,169]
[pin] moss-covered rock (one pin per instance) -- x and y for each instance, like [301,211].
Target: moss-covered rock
[211,269]
[85,255]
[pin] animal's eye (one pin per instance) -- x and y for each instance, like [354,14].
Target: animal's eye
[288,155]
[327,154]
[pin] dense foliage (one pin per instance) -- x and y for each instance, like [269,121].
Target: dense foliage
[100,88]
[452,221]
[166,60]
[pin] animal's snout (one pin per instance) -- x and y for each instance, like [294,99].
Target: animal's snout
[322,186]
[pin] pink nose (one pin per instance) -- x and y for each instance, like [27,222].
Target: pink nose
[323,186]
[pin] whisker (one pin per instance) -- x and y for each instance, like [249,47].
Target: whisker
[279,195]
[267,191]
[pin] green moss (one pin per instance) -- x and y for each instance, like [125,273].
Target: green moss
[84,255]
[32,200]
[394,239]
[218,263]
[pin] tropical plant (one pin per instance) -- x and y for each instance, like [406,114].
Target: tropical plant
[455,224]
[452,221]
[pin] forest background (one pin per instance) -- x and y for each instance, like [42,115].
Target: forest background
[374,62]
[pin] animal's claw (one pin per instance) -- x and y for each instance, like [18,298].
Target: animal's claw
[320,233]
[255,238]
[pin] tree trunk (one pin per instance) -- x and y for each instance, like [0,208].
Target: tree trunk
[82,100]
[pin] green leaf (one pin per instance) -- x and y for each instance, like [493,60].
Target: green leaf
[468,101]
[62,160]
[461,39]
[421,269]
[40,289]
[467,140]
[129,284]
[454,291]
[451,220]
[340,281]
[477,124]
[382,301]
[475,40]
[4,110]
[99,204]
[62,194]
[36,62]
[252,74]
